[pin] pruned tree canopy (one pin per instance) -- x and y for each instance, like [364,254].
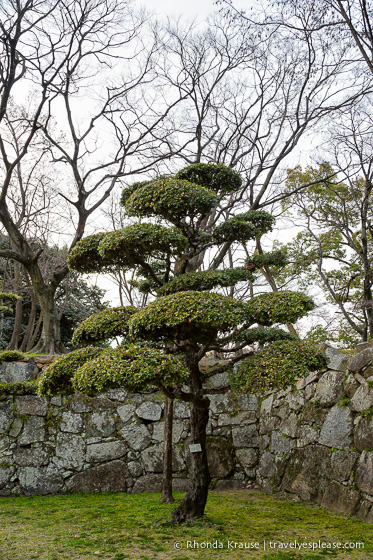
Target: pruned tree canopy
[165,341]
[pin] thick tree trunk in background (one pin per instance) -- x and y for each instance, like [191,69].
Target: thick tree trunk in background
[30,325]
[194,503]
[34,335]
[49,342]
[14,341]
[167,453]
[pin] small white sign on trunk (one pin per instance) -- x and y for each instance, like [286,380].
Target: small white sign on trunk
[195,448]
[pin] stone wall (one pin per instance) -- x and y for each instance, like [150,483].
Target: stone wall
[314,442]
[317,441]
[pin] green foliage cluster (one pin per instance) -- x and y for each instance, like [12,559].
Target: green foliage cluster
[173,199]
[18,388]
[12,356]
[85,257]
[134,244]
[277,258]
[263,335]
[103,326]
[206,280]
[57,377]
[216,177]
[244,227]
[194,315]
[279,307]
[9,296]
[130,189]
[277,365]
[134,367]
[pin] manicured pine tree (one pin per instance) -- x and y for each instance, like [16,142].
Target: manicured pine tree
[165,341]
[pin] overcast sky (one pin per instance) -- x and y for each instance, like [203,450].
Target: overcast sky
[187,8]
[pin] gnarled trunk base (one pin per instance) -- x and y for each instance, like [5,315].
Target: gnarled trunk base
[194,503]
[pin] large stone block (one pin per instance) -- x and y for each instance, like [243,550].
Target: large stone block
[148,483]
[266,406]
[307,472]
[70,450]
[329,389]
[33,431]
[42,480]
[267,465]
[342,464]
[248,459]
[245,436]
[126,412]
[295,400]
[219,404]
[105,451]
[363,435]
[364,472]
[16,427]
[280,444]
[306,435]
[71,422]
[18,371]
[137,436]
[220,457]
[289,425]
[36,456]
[6,473]
[100,424]
[152,459]
[218,381]
[117,395]
[6,416]
[337,428]
[181,409]
[362,399]
[110,477]
[134,468]
[247,417]
[78,405]
[336,360]
[149,411]
[340,499]
[30,404]
[245,402]
[350,385]
[360,360]
[267,424]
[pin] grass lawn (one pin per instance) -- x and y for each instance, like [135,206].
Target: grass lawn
[124,526]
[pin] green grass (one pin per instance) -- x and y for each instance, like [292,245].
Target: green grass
[123,526]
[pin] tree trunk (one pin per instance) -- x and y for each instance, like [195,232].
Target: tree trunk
[49,342]
[30,324]
[34,335]
[167,453]
[14,341]
[193,505]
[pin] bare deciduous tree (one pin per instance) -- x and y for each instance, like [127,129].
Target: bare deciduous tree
[72,57]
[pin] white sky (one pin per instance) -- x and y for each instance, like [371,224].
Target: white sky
[199,10]
[186,8]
